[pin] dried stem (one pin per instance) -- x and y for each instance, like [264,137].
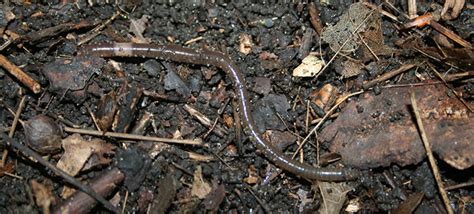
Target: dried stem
[13,127]
[20,75]
[429,153]
[132,136]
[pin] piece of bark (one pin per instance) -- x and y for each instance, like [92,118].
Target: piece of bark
[380,130]
[81,202]
[166,193]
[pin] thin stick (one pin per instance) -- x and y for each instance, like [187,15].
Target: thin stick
[193,40]
[94,118]
[13,175]
[203,119]
[86,189]
[324,119]
[381,11]
[132,136]
[429,153]
[450,88]
[368,47]
[412,9]
[438,60]
[462,185]
[388,75]
[20,75]
[13,127]
[125,202]
[314,18]
[97,30]
[450,34]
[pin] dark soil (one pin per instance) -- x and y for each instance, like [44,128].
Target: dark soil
[163,181]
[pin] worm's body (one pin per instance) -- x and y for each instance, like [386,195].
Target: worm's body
[206,57]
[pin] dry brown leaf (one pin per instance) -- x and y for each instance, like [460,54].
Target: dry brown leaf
[101,154]
[334,196]
[351,68]
[8,168]
[200,187]
[44,197]
[253,177]
[76,154]
[137,27]
[309,67]
[78,151]
[216,197]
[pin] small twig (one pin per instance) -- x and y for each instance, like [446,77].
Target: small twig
[324,119]
[212,128]
[96,31]
[412,84]
[13,175]
[132,136]
[94,118]
[368,47]
[223,106]
[436,59]
[238,126]
[450,88]
[199,157]
[450,34]
[104,185]
[388,75]
[389,4]
[166,97]
[412,9]
[264,206]
[381,11]
[315,21]
[13,128]
[306,122]
[429,19]
[125,202]
[457,186]
[193,40]
[222,160]
[219,131]
[286,126]
[177,166]
[86,189]
[6,44]
[317,120]
[20,75]
[429,153]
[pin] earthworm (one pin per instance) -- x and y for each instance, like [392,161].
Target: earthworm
[180,54]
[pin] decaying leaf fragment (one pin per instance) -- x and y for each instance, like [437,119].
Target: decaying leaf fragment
[200,187]
[78,151]
[44,197]
[309,67]
[246,43]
